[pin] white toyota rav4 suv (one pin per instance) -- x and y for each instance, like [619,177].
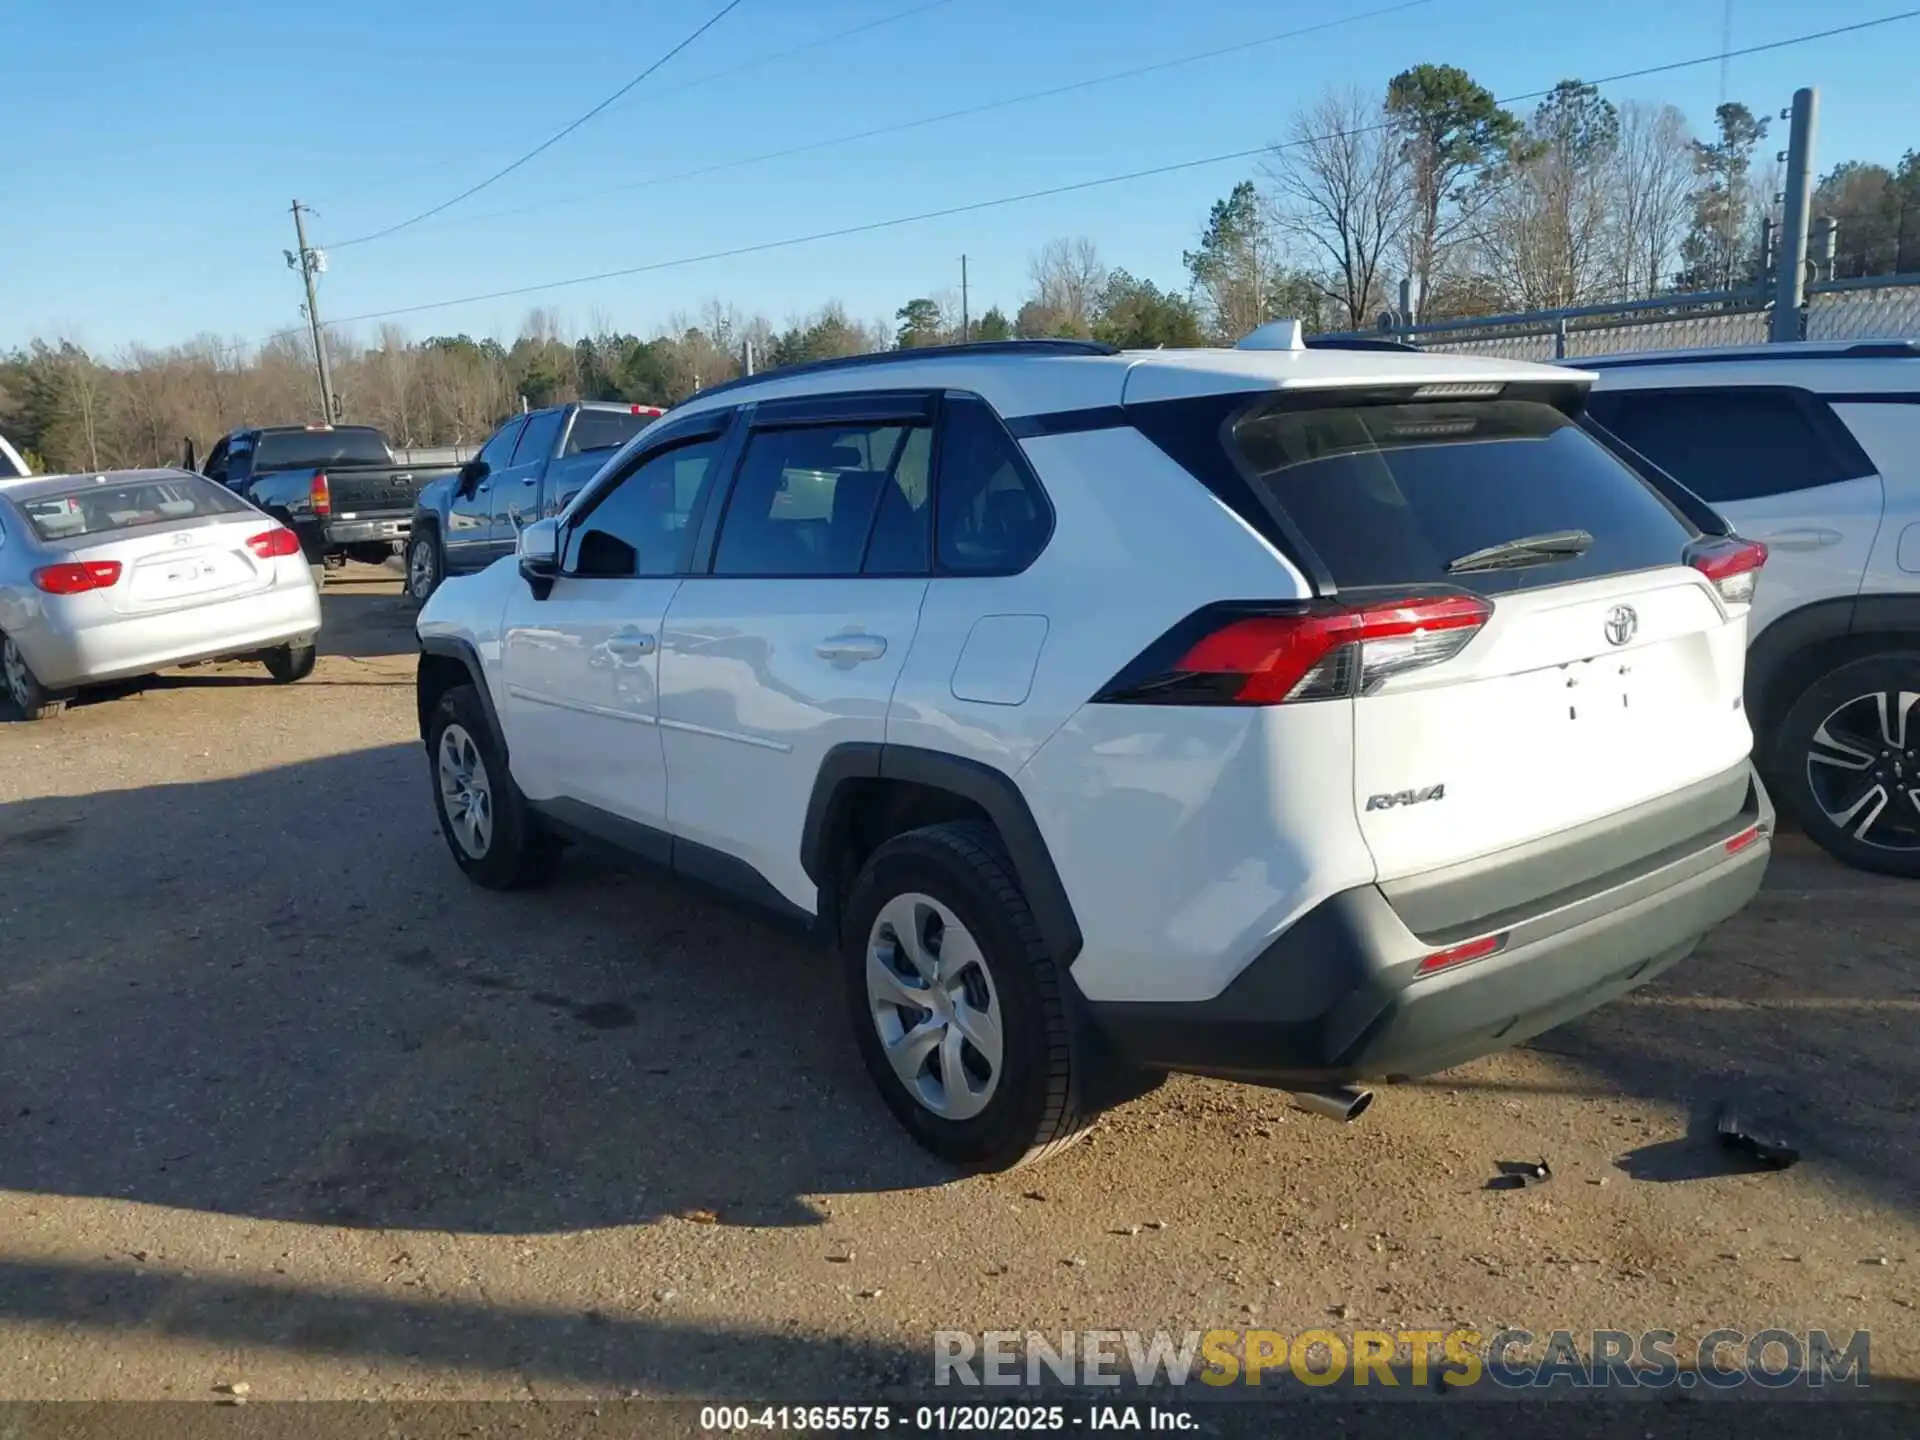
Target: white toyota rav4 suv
[1813,450]
[1292,715]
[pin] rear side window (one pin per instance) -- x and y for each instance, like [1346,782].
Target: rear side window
[97,509]
[1396,494]
[1738,444]
[595,430]
[992,517]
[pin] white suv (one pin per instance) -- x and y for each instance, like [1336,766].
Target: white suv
[1813,450]
[1291,715]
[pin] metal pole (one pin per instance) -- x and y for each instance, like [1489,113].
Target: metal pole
[1791,296]
[329,408]
[966,320]
[747,358]
[1407,317]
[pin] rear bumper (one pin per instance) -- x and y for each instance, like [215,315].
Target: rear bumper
[367,529]
[1337,997]
[125,646]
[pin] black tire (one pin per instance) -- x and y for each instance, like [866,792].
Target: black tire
[517,854]
[1821,794]
[1039,1102]
[20,685]
[288,663]
[426,567]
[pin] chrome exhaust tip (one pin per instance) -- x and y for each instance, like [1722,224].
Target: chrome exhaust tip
[1345,1103]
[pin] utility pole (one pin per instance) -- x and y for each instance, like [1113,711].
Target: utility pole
[746,358]
[966,326]
[309,263]
[1790,298]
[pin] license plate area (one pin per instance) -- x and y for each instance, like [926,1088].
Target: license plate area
[186,575]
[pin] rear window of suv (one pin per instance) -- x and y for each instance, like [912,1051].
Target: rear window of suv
[97,509]
[1392,494]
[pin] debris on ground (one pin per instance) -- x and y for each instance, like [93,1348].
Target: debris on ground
[1768,1151]
[1519,1174]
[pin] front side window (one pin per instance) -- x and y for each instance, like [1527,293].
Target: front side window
[538,438]
[806,498]
[497,453]
[642,525]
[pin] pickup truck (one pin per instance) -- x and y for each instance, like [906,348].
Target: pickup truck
[338,488]
[528,469]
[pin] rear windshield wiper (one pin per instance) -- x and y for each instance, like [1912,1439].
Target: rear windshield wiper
[1529,550]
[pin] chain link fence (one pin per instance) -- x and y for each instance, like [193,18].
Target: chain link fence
[1882,308]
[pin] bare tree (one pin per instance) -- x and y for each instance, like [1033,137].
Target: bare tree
[1544,239]
[1067,278]
[1341,195]
[1652,182]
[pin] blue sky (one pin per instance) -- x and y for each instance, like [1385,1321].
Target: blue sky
[151,147]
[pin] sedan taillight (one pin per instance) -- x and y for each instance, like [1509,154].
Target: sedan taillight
[77,579]
[269,544]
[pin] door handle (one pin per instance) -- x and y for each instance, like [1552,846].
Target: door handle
[1811,537]
[851,647]
[630,644]
[531,480]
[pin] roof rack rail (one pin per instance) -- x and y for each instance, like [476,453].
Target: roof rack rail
[1357,342]
[926,352]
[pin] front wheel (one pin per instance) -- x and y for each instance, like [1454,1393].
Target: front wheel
[1847,758]
[956,1004]
[493,835]
[32,699]
[424,569]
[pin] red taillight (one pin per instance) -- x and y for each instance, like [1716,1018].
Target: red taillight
[1460,954]
[319,497]
[1226,655]
[78,579]
[1732,564]
[648,410]
[1741,841]
[269,544]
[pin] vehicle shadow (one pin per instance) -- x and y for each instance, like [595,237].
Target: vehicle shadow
[281,1000]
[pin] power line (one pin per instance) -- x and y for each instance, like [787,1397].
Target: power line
[1074,187]
[903,125]
[554,138]
[1067,189]
[759,60]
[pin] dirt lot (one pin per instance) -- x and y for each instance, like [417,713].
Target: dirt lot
[284,1099]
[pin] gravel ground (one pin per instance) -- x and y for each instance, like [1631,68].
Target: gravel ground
[283,1099]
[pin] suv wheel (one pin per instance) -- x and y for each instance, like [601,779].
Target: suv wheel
[956,1004]
[423,568]
[32,699]
[492,834]
[1848,760]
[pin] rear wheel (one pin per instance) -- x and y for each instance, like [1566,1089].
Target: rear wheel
[957,1005]
[288,663]
[32,699]
[1847,758]
[424,567]
[494,837]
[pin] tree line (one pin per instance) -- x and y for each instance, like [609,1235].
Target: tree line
[1479,208]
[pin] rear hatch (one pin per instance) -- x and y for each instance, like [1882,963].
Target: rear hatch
[1527,636]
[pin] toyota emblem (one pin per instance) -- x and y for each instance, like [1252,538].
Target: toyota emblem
[1621,624]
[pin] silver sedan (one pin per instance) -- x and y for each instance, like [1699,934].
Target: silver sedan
[107,577]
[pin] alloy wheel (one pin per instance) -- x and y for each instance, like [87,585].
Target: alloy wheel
[466,794]
[420,568]
[1863,768]
[19,681]
[933,1003]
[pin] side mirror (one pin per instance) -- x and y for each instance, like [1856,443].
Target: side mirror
[539,554]
[471,474]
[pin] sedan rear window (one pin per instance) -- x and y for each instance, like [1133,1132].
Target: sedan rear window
[1404,493]
[97,508]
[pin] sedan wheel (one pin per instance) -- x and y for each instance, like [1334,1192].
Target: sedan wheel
[29,696]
